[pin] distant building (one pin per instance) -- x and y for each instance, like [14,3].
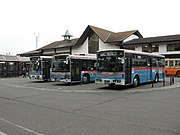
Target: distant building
[166,45]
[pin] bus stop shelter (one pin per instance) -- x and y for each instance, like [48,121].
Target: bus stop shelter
[11,66]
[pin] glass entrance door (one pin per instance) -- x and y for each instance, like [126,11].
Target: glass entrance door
[76,70]
[46,69]
[128,70]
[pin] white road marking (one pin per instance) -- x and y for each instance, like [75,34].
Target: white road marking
[56,90]
[21,127]
[1,133]
[42,89]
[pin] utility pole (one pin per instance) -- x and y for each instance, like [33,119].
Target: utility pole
[37,37]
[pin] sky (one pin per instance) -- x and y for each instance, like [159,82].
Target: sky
[21,21]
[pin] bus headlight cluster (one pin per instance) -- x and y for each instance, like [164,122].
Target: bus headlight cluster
[117,81]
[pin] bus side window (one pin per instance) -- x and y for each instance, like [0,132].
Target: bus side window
[177,62]
[171,63]
[149,62]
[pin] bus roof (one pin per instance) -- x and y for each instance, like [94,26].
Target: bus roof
[41,57]
[84,57]
[134,52]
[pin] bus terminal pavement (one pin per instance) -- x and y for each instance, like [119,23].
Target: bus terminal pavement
[61,87]
[167,84]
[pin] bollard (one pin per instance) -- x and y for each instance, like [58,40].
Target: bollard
[172,79]
[163,79]
[152,83]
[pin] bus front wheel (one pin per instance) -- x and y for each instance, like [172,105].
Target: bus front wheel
[86,79]
[135,81]
[178,73]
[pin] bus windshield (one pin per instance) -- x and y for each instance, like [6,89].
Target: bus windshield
[35,65]
[110,61]
[60,63]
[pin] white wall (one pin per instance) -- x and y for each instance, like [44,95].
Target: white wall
[103,45]
[130,38]
[162,48]
[82,49]
[138,48]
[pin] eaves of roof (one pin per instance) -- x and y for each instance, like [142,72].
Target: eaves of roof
[150,40]
[31,53]
[120,36]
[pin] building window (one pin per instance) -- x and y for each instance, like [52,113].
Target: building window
[155,48]
[173,47]
[145,48]
[93,43]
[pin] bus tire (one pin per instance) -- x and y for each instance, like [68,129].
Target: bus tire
[156,79]
[136,81]
[178,73]
[85,79]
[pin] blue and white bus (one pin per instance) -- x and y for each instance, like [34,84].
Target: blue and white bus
[40,67]
[73,68]
[128,67]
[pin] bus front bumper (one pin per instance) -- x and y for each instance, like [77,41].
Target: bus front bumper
[38,77]
[110,81]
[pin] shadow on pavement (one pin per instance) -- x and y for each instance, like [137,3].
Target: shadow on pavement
[141,86]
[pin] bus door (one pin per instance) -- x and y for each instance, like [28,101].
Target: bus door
[46,69]
[149,70]
[128,69]
[76,70]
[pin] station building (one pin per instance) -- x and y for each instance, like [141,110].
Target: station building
[94,39]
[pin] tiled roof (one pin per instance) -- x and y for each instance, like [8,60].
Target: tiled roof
[120,36]
[102,33]
[160,39]
[106,36]
[11,58]
[60,44]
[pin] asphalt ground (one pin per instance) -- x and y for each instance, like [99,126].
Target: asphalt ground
[30,107]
